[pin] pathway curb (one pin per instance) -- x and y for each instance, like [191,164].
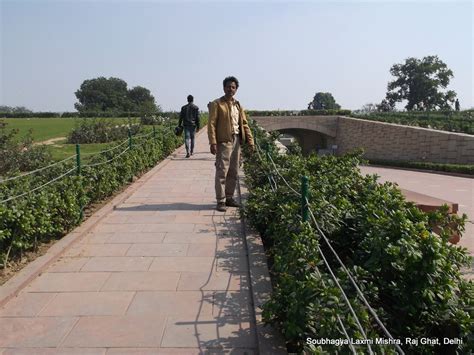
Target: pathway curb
[269,341]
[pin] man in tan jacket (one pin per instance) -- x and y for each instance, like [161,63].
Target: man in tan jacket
[227,129]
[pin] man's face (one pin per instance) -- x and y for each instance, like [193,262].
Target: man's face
[230,89]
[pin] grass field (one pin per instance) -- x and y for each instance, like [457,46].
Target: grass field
[62,151]
[46,128]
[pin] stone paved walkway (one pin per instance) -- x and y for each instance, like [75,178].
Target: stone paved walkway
[163,273]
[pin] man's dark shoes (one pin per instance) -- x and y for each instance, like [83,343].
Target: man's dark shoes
[187,155]
[230,202]
[221,207]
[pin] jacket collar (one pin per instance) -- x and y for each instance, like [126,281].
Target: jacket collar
[223,100]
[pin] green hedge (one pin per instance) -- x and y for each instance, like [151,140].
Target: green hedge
[56,208]
[299,113]
[451,121]
[110,114]
[29,114]
[409,275]
[451,168]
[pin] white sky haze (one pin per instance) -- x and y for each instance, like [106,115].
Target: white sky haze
[281,52]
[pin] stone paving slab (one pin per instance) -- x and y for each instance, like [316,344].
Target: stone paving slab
[116,332]
[34,331]
[54,351]
[88,303]
[69,282]
[27,305]
[159,272]
[142,281]
[112,263]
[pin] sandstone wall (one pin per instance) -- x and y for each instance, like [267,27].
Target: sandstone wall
[396,142]
[379,140]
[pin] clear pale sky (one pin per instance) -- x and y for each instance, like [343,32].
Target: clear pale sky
[283,52]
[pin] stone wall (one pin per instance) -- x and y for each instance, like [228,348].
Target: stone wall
[383,141]
[396,142]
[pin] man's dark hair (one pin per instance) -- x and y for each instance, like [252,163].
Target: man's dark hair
[231,79]
[190,98]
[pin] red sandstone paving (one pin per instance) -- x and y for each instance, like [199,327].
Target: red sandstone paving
[162,273]
[69,264]
[34,331]
[114,332]
[113,263]
[54,351]
[88,303]
[27,305]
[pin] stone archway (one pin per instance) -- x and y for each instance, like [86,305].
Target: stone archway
[309,141]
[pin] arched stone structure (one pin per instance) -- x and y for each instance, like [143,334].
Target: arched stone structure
[380,140]
[312,134]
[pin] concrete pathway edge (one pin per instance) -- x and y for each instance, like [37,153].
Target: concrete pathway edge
[12,287]
[269,340]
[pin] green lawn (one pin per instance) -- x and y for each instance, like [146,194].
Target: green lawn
[45,128]
[62,151]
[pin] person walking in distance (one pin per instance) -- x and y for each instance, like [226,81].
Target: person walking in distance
[227,130]
[189,119]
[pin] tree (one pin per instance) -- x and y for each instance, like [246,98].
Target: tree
[368,108]
[323,101]
[419,82]
[141,100]
[112,95]
[385,106]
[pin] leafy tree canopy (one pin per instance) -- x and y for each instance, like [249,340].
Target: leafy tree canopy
[106,95]
[323,101]
[419,81]
[141,100]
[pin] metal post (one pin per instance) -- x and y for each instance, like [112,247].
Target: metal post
[78,163]
[129,138]
[304,197]
[154,133]
[78,159]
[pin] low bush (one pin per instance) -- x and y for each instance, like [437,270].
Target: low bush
[100,130]
[20,154]
[410,276]
[299,113]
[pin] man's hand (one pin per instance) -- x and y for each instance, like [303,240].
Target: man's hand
[213,149]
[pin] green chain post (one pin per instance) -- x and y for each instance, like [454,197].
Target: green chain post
[304,197]
[129,138]
[78,159]
[78,163]
[154,133]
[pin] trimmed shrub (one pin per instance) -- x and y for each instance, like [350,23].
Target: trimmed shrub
[100,130]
